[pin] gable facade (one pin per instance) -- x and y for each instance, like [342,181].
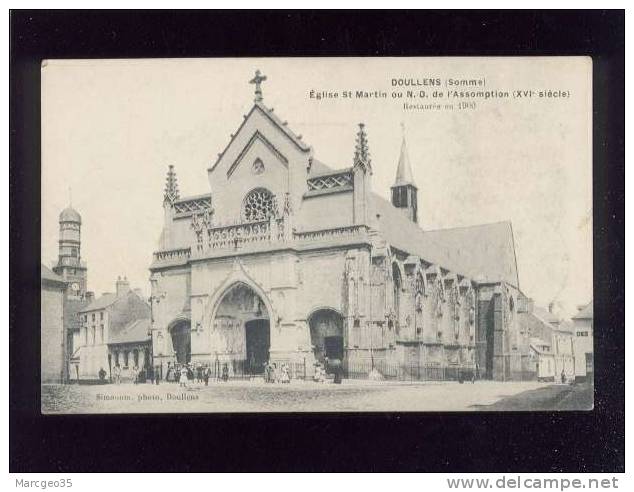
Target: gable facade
[288,260]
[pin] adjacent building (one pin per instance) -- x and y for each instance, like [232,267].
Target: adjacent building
[550,342]
[583,326]
[53,342]
[289,259]
[114,329]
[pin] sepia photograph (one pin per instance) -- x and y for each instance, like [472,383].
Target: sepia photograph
[316,235]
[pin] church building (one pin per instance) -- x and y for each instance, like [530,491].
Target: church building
[287,259]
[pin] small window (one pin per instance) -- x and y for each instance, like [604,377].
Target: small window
[93,316]
[258,166]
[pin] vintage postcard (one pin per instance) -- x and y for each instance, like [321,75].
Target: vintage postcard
[316,235]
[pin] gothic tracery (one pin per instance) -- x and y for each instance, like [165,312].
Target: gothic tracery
[259,204]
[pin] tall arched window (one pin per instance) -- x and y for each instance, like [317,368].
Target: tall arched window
[396,286]
[259,204]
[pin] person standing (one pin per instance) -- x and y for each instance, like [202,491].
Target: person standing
[285,377]
[206,374]
[183,378]
[117,373]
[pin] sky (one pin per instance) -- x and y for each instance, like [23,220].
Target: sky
[110,128]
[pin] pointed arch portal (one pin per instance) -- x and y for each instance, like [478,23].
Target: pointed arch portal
[242,328]
[326,334]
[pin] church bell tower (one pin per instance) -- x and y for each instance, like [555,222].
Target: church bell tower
[404,191]
[69,264]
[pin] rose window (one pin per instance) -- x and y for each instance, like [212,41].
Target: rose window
[258,205]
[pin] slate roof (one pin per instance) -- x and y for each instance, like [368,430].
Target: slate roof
[567,326]
[536,343]
[404,174]
[586,313]
[318,168]
[49,275]
[134,332]
[545,315]
[484,253]
[103,302]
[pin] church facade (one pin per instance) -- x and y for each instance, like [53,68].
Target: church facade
[289,260]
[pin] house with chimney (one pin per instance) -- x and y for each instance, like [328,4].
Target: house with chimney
[113,329]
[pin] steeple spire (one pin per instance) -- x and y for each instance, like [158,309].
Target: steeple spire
[362,150]
[404,174]
[171,186]
[404,191]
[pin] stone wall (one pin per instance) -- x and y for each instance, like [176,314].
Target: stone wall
[52,355]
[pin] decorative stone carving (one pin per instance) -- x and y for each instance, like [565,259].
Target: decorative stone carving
[470,305]
[288,205]
[437,297]
[192,205]
[351,286]
[331,181]
[419,292]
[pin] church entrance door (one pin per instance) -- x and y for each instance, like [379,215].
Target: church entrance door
[334,347]
[258,336]
[326,334]
[182,342]
[241,329]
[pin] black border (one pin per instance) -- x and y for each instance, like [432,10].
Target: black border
[518,442]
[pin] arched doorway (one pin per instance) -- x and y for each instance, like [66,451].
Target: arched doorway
[326,334]
[182,341]
[242,329]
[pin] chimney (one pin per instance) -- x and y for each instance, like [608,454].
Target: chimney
[90,296]
[551,307]
[123,286]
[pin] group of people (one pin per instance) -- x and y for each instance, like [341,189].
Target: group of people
[184,373]
[135,374]
[273,374]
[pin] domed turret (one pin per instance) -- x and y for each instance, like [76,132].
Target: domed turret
[69,214]
[69,263]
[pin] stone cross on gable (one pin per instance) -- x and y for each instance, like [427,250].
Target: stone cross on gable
[257,80]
